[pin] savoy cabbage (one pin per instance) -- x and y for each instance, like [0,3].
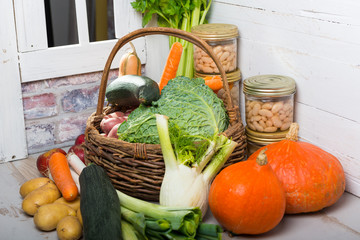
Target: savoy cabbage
[190,105]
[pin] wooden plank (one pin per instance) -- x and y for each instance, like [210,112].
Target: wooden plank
[126,19]
[345,12]
[12,133]
[82,22]
[30,25]
[69,60]
[14,223]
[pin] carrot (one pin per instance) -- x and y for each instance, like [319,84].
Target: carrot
[60,171]
[172,64]
[214,82]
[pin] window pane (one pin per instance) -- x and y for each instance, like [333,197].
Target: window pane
[100,19]
[61,22]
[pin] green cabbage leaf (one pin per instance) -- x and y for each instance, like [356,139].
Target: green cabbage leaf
[190,105]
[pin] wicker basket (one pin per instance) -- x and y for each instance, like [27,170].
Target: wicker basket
[138,169]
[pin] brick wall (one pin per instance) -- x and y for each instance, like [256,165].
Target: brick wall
[56,110]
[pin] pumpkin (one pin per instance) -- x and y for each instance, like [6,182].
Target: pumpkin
[130,63]
[312,178]
[247,197]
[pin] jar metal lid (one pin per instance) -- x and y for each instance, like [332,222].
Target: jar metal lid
[230,76]
[216,31]
[269,85]
[265,137]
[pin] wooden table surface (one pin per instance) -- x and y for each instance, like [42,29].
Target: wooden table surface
[340,221]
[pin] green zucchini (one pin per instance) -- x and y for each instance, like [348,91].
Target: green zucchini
[131,90]
[99,205]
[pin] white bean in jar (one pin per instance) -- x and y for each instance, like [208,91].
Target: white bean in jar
[225,52]
[269,116]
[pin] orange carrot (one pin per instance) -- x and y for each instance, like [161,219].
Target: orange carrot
[172,64]
[214,82]
[60,172]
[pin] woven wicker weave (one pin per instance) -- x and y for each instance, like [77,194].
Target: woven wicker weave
[138,169]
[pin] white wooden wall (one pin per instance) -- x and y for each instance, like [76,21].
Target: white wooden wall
[318,44]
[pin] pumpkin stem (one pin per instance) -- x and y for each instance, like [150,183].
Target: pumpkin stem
[293,132]
[262,158]
[133,50]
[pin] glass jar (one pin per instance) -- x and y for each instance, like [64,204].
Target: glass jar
[256,140]
[223,40]
[233,80]
[269,102]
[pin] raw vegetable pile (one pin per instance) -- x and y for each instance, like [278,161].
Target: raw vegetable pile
[186,118]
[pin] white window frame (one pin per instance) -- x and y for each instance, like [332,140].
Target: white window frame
[25,57]
[37,61]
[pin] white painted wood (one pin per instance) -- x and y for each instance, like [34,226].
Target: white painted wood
[82,22]
[83,57]
[30,25]
[316,43]
[157,50]
[12,131]
[14,223]
[126,19]
[69,60]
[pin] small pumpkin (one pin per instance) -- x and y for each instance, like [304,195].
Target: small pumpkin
[312,178]
[247,197]
[130,63]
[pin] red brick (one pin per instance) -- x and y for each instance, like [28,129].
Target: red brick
[32,87]
[39,106]
[71,127]
[80,99]
[40,136]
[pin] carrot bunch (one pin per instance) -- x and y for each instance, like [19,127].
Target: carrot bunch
[172,64]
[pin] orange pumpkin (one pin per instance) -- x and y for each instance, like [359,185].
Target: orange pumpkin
[247,197]
[312,178]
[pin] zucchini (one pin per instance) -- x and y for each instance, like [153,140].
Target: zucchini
[99,205]
[132,90]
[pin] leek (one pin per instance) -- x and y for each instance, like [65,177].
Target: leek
[144,220]
[190,168]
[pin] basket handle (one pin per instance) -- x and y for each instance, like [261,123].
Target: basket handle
[233,112]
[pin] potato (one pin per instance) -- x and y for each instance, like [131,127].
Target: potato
[79,216]
[40,196]
[48,216]
[69,228]
[33,184]
[74,204]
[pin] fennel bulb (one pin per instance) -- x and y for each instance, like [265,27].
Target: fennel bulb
[189,169]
